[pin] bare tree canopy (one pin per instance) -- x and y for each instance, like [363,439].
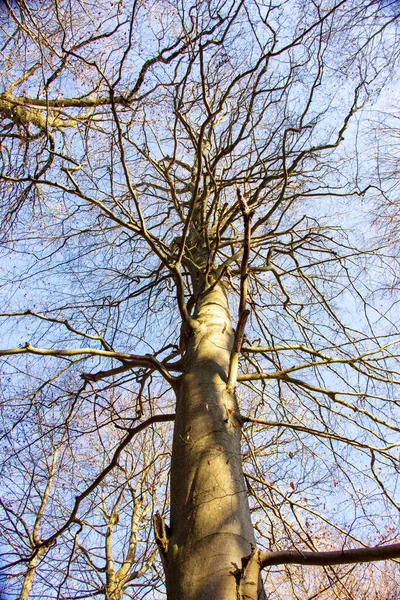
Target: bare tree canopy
[200,353]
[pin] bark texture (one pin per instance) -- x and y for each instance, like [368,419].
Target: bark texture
[211,528]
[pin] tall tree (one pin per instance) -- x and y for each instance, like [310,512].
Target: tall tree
[167,165]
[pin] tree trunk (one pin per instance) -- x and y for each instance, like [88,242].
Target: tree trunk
[29,577]
[211,528]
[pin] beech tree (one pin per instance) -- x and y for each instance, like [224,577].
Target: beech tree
[187,256]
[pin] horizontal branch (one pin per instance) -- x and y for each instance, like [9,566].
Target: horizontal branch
[25,112]
[366,359]
[318,433]
[325,559]
[135,360]
[283,376]
[258,560]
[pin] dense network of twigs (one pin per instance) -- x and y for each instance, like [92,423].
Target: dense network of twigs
[147,147]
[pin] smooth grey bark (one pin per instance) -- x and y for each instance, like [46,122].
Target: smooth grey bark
[211,528]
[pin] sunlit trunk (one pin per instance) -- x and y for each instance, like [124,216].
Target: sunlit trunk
[28,579]
[211,528]
[112,593]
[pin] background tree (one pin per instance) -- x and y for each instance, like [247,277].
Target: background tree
[165,166]
[117,553]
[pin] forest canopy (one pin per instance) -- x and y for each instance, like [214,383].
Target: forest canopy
[199,281]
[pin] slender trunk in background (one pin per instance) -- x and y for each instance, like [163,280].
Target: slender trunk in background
[211,528]
[29,577]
